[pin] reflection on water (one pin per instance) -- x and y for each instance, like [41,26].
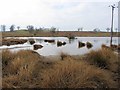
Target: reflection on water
[95,41]
[39,40]
[115,41]
[107,41]
[69,46]
[71,41]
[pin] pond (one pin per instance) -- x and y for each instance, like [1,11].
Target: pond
[71,47]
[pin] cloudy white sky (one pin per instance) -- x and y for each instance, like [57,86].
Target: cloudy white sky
[63,14]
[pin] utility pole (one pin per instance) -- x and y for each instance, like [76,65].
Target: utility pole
[112,7]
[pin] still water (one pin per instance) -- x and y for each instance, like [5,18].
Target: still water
[70,48]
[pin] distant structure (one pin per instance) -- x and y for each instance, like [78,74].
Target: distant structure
[112,7]
[116,29]
[80,29]
[3,28]
[119,17]
[12,27]
[108,29]
[96,30]
[18,27]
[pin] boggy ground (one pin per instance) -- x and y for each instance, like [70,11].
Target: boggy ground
[12,41]
[28,69]
[26,33]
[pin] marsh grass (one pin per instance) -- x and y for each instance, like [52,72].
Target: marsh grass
[103,58]
[25,33]
[89,45]
[104,46]
[81,44]
[64,55]
[27,69]
[31,41]
[115,48]
[59,43]
[76,74]
[22,69]
[12,41]
[7,56]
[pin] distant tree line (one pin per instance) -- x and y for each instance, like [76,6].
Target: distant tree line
[97,29]
[3,28]
[12,28]
[32,29]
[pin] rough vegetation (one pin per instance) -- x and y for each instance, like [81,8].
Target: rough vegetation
[104,58]
[112,47]
[76,74]
[49,41]
[59,43]
[9,42]
[89,45]
[25,33]
[31,41]
[81,44]
[22,69]
[27,69]
[36,47]
[71,36]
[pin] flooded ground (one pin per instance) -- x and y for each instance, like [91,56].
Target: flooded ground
[71,46]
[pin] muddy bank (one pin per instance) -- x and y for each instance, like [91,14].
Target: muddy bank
[49,41]
[9,42]
[112,47]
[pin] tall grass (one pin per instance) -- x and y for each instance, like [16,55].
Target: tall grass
[7,57]
[103,58]
[27,69]
[76,74]
[11,62]
[22,69]
[63,55]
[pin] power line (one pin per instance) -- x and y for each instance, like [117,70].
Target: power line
[112,19]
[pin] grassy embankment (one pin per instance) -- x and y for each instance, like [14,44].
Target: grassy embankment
[97,69]
[25,33]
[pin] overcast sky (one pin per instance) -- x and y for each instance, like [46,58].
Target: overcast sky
[63,14]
